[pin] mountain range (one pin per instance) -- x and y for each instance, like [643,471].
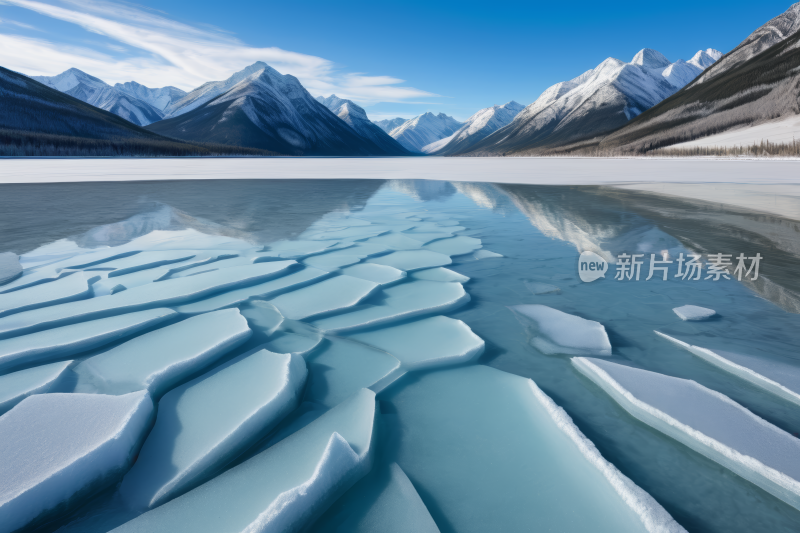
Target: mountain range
[420,131]
[356,118]
[475,129]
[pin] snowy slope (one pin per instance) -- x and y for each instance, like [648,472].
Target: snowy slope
[422,130]
[391,123]
[98,93]
[475,129]
[597,101]
[160,98]
[259,107]
[356,118]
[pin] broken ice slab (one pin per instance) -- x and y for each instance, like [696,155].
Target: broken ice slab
[332,261]
[412,260]
[384,501]
[19,385]
[284,487]
[427,343]
[59,448]
[454,245]
[403,301]
[425,238]
[431,227]
[353,233]
[381,274]
[299,249]
[159,360]
[144,261]
[340,368]
[556,332]
[693,312]
[108,286]
[781,378]
[206,423]
[485,254]
[58,343]
[263,317]
[66,289]
[163,293]
[365,249]
[439,274]
[214,265]
[332,294]
[706,421]
[494,453]
[291,342]
[10,269]
[263,290]
[396,241]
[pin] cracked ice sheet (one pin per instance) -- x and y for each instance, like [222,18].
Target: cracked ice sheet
[63,445]
[108,286]
[409,260]
[402,301]
[381,274]
[206,423]
[66,289]
[556,332]
[454,245]
[333,294]
[439,274]
[427,343]
[159,360]
[143,261]
[19,385]
[36,348]
[169,292]
[331,262]
[479,442]
[283,487]
[706,421]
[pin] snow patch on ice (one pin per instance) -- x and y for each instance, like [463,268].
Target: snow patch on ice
[693,312]
[556,332]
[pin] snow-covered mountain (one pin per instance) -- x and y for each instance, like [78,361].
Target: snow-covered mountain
[597,101]
[259,107]
[475,129]
[98,93]
[389,124]
[160,98]
[356,118]
[422,130]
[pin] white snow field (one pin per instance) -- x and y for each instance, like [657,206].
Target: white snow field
[693,312]
[282,488]
[66,289]
[556,332]
[785,130]
[706,421]
[17,386]
[427,343]
[158,360]
[778,377]
[160,294]
[204,424]
[59,343]
[55,446]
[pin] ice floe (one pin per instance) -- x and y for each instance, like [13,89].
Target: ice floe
[556,332]
[58,343]
[330,295]
[396,241]
[263,317]
[454,245]
[537,288]
[693,312]
[163,293]
[381,274]
[439,274]
[56,447]
[409,260]
[108,286]
[778,377]
[299,249]
[19,385]
[208,266]
[160,359]
[485,254]
[332,261]
[66,289]
[10,268]
[340,368]
[284,487]
[427,343]
[706,421]
[144,261]
[406,300]
[297,340]
[204,424]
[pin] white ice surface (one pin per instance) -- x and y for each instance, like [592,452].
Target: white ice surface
[407,300]
[693,312]
[427,343]
[706,421]
[204,424]
[776,376]
[556,332]
[163,293]
[439,274]
[409,260]
[284,487]
[19,385]
[55,446]
[381,274]
[66,289]
[30,350]
[158,360]
[333,294]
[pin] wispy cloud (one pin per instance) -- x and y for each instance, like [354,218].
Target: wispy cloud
[18,24]
[167,52]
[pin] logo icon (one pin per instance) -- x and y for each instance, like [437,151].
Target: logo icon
[591,267]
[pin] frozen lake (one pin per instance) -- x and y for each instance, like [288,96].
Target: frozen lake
[363,354]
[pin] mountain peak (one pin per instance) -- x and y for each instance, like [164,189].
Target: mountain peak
[649,58]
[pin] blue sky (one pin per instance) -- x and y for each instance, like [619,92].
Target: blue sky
[395,58]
